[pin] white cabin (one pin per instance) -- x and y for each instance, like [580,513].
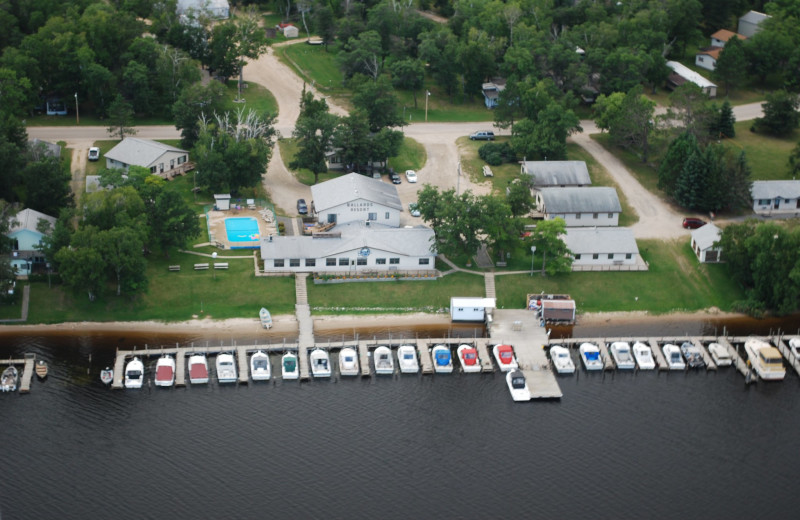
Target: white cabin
[470,309]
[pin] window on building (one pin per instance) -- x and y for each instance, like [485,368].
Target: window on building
[578,256]
[344,261]
[311,262]
[388,215]
[594,215]
[424,261]
[610,215]
[394,261]
[361,260]
[577,216]
[595,256]
[628,256]
[278,263]
[330,262]
[380,261]
[373,216]
[294,262]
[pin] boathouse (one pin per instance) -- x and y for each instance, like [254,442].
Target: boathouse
[470,309]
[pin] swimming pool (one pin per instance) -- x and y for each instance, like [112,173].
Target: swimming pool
[242,229]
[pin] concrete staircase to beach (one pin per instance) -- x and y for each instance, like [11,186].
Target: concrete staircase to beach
[305,339]
[300,291]
[488,281]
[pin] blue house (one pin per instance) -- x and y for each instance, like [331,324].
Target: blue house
[25,236]
[491,92]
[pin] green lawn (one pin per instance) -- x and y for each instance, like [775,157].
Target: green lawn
[644,173]
[255,97]
[315,65]
[676,281]
[767,156]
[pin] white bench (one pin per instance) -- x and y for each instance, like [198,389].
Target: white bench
[221,265]
[174,268]
[487,172]
[200,267]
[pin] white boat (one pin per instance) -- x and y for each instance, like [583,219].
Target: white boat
[590,355]
[8,381]
[165,371]
[621,352]
[320,363]
[382,357]
[643,356]
[134,373]
[720,355]
[442,359]
[517,385]
[260,368]
[765,359]
[348,362]
[672,353]
[794,347]
[562,360]
[289,368]
[407,359]
[504,355]
[468,357]
[226,368]
[107,375]
[198,369]
[41,368]
[265,317]
[692,354]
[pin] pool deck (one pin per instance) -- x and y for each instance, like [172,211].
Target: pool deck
[218,233]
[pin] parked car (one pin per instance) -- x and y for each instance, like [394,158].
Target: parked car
[411,176]
[483,135]
[302,208]
[413,209]
[693,223]
[395,178]
[94,153]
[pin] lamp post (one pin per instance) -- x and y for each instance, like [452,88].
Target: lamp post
[213,269]
[533,252]
[77,114]
[427,95]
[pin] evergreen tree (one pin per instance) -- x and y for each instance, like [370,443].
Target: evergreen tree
[731,64]
[780,114]
[678,153]
[689,183]
[723,126]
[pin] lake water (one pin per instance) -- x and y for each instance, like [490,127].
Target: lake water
[622,445]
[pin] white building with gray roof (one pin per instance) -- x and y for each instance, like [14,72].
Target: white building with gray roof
[547,174]
[359,247]
[703,240]
[159,158]
[776,198]
[580,207]
[750,23]
[357,198]
[603,249]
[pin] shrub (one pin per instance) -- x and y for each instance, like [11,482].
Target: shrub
[496,153]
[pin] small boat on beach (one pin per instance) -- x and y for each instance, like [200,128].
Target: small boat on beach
[692,354]
[672,353]
[643,356]
[289,368]
[348,362]
[107,376]
[407,359]
[765,359]
[720,355]
[260,368]
[517,385]
[198,369]
[468,357]
[382,357]
[504,355]
[134,373]
[590,355]
[320,363]
[226,368]
[41,369]
[165,371]
[562,360]
[442,359]
[265,317]
[8,381]
[621,353]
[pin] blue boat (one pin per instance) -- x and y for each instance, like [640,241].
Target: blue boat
[442,359]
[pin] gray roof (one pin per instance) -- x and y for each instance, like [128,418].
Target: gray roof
[414,241]
[354,186]
[705,236]
[581,200]
[754,17]
[555,173]
[601,240]
[775,189]
[29,219]
[140,152]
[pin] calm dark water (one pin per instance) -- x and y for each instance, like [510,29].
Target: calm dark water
[643,445]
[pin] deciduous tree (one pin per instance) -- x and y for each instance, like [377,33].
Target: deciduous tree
[547,239]
[120,118]
[314,132]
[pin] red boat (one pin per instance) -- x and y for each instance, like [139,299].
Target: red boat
[504,355]
[468,357]
[198,369]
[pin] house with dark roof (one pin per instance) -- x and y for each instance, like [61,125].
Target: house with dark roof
[776,198]
[548,174]
[580,207]
[609,248]
[750,23]
[25,235]
[356,198]
[704,239]
[161,159]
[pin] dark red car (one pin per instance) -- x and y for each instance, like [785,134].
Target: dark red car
[693,223]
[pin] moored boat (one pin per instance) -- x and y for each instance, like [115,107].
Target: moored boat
[382,357]
[107,375]
[348,362]
[590,355]
[468,357]
[692,355]
[289,368]
[320,363]
[643,356]
[517,385]
[41,369]
[260,368]
[265,317]
[442,359]
[504,355]
[134,373]
[198,369]
[794,347]
[765,359]
[226,368]
[720,355]
[8,381]
[562,360]
[672,353]
[165,371]
[407,359]
[621,353]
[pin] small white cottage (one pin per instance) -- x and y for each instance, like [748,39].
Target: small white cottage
[703,240]
[470,309]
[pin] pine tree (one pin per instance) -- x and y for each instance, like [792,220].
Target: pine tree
[690,180]
[671,166]
[725,125]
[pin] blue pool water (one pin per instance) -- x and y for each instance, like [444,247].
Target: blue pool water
[243,229]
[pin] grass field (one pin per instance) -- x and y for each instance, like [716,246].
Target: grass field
[767,156]
[255,97]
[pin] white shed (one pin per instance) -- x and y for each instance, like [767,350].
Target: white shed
[703,240]
[290,31]
[222,201]
[470,309]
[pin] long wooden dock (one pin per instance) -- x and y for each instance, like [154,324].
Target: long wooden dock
[180,367]
[738,362]
[710,365]
[483,354]
[424,354]
[608,362]
[658,355]
[244,368]
[363,358]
